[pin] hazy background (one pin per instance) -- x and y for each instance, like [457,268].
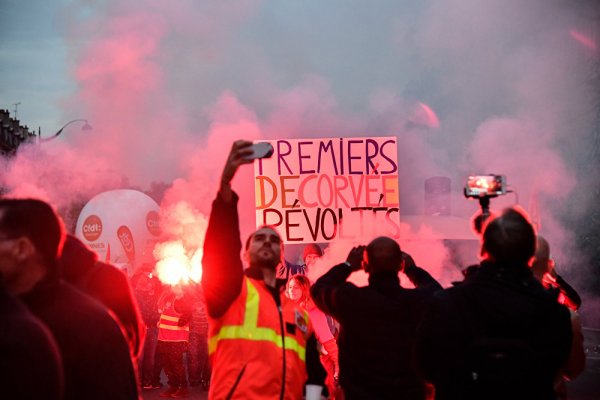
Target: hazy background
[468,86]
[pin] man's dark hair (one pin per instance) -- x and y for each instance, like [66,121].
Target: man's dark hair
[384,255]
[479,220]
[510,238]
[35,220]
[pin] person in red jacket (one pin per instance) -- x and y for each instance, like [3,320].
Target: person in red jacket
[257,336]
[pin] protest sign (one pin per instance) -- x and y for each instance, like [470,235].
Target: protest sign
[319,190]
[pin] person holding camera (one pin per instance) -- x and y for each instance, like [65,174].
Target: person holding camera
[257,336]
[498,335]
[378,322]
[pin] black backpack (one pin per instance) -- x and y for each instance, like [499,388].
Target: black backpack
[494,366]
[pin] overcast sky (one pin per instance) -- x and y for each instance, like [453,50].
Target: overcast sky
[33,62]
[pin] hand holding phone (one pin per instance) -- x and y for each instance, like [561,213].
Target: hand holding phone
[260,150]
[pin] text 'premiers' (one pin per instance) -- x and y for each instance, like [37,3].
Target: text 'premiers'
[318,190]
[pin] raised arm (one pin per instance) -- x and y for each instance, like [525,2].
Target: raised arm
[323,292]
[568,295]
[418,276]
[222,268]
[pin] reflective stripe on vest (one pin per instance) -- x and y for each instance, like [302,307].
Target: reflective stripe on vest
[169,329]
[250,331]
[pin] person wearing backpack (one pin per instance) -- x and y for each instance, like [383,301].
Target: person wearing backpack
[500,334]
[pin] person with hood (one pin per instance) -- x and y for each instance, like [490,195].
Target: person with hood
[106,283]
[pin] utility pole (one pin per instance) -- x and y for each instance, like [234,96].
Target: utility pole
[16,109]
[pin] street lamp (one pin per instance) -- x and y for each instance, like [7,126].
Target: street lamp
[86,127]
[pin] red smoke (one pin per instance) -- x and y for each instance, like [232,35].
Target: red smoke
[168,86]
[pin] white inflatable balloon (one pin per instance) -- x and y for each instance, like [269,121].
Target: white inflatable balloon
[121,226]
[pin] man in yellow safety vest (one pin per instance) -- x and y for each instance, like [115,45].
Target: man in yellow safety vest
[257,336]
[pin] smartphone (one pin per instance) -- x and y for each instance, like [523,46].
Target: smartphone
[485,186]
[260,150]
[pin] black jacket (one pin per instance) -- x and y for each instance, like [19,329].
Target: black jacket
[502,305]
[105,283]
[95,354]
[30,364]
[377,331]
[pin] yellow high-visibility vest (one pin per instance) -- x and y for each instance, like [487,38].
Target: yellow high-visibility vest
[168,328]
[248,350]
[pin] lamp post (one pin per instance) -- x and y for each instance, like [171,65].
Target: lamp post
[86,127]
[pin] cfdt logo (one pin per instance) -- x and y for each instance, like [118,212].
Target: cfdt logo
[153,223]
[92,228]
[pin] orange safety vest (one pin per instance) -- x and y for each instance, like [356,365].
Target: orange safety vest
[247,350]
[168,330]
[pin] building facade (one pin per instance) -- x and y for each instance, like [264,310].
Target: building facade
[13,134]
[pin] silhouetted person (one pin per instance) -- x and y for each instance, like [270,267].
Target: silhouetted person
[105,283]
[197,360]
[378,322]
[544,270]
[30,364]
[96,358]
[478,222]
[498,335]
[147,289]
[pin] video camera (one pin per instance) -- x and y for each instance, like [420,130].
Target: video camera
[485,186]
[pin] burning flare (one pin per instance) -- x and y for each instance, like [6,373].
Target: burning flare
[176,265]
[179,259]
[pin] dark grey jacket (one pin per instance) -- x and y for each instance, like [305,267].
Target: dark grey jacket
[502,309]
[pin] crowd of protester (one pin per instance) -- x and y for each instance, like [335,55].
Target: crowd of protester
[258,328]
